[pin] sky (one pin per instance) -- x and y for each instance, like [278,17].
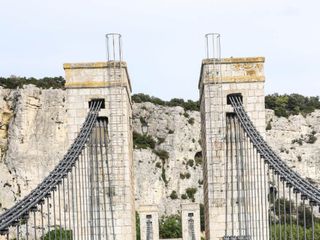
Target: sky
[163,40]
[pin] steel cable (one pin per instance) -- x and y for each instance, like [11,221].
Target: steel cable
[23,207]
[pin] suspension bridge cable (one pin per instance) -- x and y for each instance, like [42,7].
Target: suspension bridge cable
[290,212]
[238,175]
[110,186]
[226,175]
[102,132]
[9,218]
[232,177]
[290,176]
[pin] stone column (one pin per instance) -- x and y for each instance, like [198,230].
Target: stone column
[149,222]
[110,82]
[190,218]
[244,77]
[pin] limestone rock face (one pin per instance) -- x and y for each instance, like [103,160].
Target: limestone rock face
[297,142]
[165,183]
[34,142]
[33,138]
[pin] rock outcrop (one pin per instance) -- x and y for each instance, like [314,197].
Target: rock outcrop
[33,138]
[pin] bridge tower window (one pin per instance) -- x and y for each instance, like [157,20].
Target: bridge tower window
[103,106]
[234,95]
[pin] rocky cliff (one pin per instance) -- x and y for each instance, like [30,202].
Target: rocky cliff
[33,139]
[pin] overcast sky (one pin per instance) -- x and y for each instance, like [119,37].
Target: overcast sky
[163,40]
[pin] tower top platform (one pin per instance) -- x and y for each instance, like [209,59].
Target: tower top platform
[96,74]
[232,70]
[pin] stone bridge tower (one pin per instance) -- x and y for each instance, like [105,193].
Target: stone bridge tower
[218,79]
[110,82]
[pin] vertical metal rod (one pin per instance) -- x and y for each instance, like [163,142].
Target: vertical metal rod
[226,175]
[54,214]
[84,192]
[73,205]
[243,176]
[207,50]
[249,184]
[262,195]
[8,236]
[297,213]
[284,210]
[27,228]
[239,190]
[274,205]
[269,200]
[35,224]
[290,210]
[257,194]
[80,183]
[42,216]
[279,207]
[232,172]
[97,178]
[253,192]
[266,184]
[91,181]
[304,219]
[88,191]
[102,133]
[109,165]
[76,198]
[114,49]
[120,50]
[18,231]
[94,173]
[312,221]
[48,212]
[88,187]
[69,204]
[108,50]
[213,56]
[59,205]
[64,209]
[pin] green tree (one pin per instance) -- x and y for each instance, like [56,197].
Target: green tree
[202,221]
[138,237]
[188,105]
[293,104]
[142,141]
[58,234]
[14,82]
[170,226]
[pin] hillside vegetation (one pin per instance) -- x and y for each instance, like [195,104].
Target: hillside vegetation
[14,82]
[187,105]
[283,105]
[293,104]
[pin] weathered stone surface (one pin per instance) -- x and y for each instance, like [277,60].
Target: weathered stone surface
[243,77]
[297,142]
[35,140]
[180,133]
[85,82]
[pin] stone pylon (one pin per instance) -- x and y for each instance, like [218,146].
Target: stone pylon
[243,77]
[110,82]
[149,222]
[190,219]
